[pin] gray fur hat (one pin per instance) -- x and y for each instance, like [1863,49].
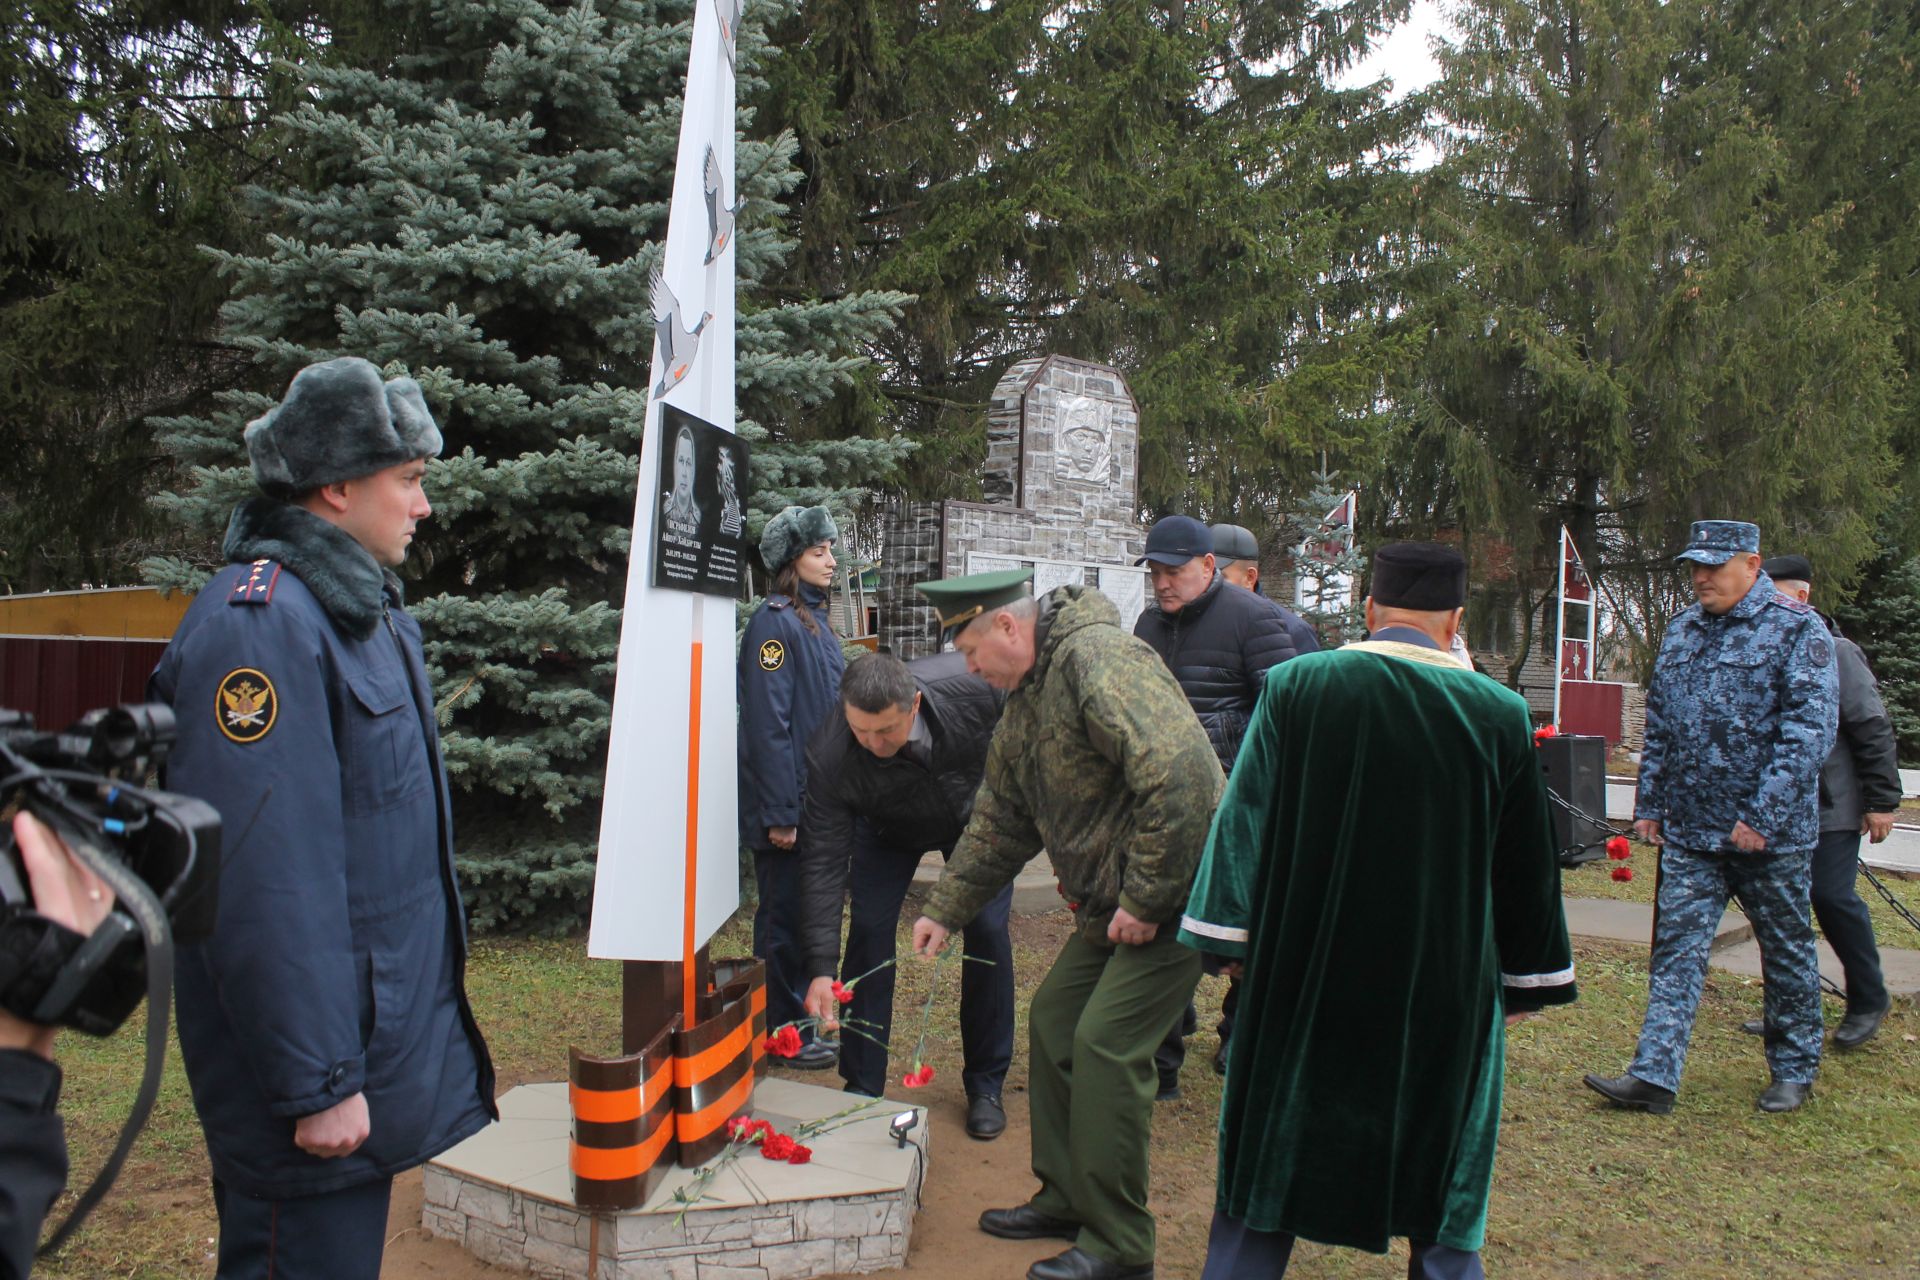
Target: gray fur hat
[793,531]
[339,421]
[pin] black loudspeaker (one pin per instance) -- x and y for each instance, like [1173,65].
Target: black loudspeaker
[1576,769]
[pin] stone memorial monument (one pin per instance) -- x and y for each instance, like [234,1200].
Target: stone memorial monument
[1062,494]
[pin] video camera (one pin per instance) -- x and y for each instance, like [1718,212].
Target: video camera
[158,852]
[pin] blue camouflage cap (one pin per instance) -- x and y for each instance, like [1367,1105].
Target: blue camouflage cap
[1718,541]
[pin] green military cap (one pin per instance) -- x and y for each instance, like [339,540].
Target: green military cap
[959,601]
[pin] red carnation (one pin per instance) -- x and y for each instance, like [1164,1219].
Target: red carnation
[784,1043]
[1618,849]
[918,1078]
[844,994]
[1544,732]
[778,1146]
[801,1154]
[1623,873]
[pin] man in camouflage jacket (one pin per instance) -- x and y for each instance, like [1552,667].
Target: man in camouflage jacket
[1741,713]
[1099,760]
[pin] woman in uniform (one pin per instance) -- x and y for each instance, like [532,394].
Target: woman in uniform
[790,665]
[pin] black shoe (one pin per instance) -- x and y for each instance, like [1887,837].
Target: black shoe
[986,1119]
[1859,1026]
[1024,1222]
[817,1056]
[1168,1091]
[1220,1061]
[1077,1265]
[1756,1027]
[1783,1096]
[1633,1093]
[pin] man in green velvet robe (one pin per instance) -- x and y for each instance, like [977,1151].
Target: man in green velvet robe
[1382,871]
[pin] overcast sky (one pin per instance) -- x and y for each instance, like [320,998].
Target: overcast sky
[1404,57]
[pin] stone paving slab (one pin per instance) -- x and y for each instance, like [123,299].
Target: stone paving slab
[1901,968]
[1611,920]
[1898,853]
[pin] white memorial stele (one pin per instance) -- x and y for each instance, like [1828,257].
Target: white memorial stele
[668,873]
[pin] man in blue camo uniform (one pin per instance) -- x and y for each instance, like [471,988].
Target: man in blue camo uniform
[1741,714]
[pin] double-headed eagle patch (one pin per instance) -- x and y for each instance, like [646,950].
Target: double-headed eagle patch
[246,705]
[772,655]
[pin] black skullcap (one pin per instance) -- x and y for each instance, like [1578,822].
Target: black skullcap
[1792,568]
[1423,576]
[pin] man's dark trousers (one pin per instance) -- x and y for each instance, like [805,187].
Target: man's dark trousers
[1844,919]
[340,1235]
[878,879]
[776,937]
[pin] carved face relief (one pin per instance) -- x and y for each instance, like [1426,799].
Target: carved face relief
[1085,450]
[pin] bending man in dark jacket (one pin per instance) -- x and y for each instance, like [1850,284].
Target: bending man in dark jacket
[890,777]
[1859,792]
[1219,641]
[325,1024]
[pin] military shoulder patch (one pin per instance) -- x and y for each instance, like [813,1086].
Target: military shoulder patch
[1789,603]
[257,586]
[246,705]
[773,655]
[1819,651]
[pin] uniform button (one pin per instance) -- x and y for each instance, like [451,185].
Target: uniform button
[337,1075]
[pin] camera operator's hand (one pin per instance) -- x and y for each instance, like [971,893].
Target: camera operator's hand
[64,891]
[337,1131]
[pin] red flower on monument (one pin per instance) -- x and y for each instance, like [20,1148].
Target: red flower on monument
[778,1146]
[784,1043]
[1623,873]
[801,1154]
[743,1129]
[918,1078]
[1544,732]
[843,992]
[1618,849]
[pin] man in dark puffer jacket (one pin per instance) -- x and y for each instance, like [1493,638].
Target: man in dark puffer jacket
[1219,641]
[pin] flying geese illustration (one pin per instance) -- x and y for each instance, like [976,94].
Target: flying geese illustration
[678,344]
[719,213]
[729,11]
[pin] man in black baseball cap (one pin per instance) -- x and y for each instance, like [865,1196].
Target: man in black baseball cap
[1859,792]
[1219,642]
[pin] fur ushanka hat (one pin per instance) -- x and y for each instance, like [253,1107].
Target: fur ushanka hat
[339,421]
[793,531]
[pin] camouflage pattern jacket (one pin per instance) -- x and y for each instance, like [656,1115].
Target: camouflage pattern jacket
[1741,714]
[1099,760]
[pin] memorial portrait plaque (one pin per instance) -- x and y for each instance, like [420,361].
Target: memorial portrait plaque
[698,541]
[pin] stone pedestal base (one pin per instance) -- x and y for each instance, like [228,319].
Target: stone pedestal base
[504,1194]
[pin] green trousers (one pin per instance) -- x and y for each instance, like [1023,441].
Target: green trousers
[1092,1030]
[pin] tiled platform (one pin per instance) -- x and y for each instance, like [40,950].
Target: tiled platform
[505,1195]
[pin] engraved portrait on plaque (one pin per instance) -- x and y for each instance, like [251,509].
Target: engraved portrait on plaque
[1085,451]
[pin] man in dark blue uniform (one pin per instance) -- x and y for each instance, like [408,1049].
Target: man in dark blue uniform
[889,778]
[1741,714]
[325,1024]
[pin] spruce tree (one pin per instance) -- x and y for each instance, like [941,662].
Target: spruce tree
[127,127]
[1628,327]
[481,208]
[1179,190]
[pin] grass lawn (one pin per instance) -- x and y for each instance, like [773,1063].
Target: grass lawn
[1714,1190]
